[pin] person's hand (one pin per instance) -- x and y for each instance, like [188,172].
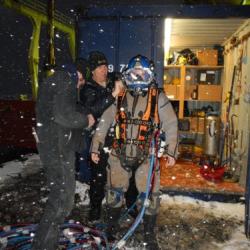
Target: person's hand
[91,120]
[118,88]
[170,161]
[81,80]
[95,157]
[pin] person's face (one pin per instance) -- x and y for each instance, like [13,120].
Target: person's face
[138,75]
[100,74]
[81,80]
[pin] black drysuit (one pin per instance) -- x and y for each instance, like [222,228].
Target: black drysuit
[59,129]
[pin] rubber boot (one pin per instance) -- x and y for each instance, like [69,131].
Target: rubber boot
[113,222]
[95,212]
[131,196]
[149,223]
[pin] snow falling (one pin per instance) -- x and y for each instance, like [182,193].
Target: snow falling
[183,222]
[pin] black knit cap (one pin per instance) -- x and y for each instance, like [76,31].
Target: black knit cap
[82,66]
[96,58]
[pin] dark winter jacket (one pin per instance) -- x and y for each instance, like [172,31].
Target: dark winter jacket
[95,98]
[58,122]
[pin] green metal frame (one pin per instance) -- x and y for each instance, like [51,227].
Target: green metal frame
[246,2]
[37,19]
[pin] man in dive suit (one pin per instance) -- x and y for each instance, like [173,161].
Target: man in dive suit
[139,112]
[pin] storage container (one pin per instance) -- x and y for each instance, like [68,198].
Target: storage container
[207,57]
[171,91]
[209,92]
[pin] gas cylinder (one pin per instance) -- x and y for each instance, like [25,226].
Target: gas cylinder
[212,135]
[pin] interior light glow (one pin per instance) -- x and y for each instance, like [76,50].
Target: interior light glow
[167,38]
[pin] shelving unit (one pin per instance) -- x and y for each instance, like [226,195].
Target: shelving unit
[192,89]
[180,81]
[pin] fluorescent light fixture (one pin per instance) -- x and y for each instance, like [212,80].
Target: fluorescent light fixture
[167,38]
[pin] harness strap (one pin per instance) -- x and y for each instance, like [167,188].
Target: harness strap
[134,141]
[137,122]
[149,114]
[148,122]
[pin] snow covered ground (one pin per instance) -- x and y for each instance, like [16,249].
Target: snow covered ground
[228,218]
[29,165]
[238,240]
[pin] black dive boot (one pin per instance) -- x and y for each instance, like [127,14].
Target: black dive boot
[149,223]
[113,215]
[131,196]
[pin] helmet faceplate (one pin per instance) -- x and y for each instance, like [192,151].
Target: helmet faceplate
[139,74]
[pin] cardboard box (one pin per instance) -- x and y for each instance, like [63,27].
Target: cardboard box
[208,57]
[209,92]
[171,91]
[197,124]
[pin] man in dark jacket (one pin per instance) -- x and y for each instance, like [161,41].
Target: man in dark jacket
[96,96]
[59,128]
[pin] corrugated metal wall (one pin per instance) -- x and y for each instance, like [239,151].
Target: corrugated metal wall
[240,111]
[200,33]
